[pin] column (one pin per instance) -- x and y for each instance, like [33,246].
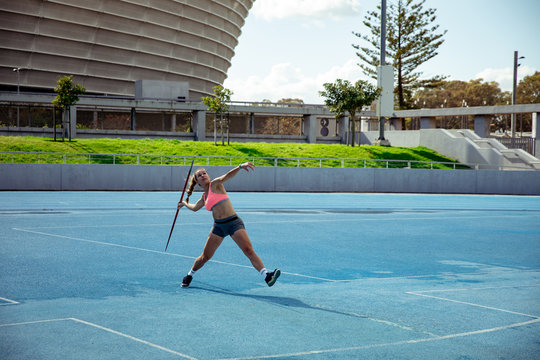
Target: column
[310,128]
[536,132]
[481,126]
[343,128]
[199,125]
[133,122]
[173,122]
[252,123]
[72,121]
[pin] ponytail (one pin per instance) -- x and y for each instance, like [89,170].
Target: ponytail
[192,184]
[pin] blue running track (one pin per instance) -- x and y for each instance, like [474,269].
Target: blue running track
[84,275]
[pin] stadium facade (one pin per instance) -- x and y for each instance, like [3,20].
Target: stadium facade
[109,44]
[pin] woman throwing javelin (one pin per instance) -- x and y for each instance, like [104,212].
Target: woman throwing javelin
[226,222]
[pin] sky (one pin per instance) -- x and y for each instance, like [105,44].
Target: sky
[290,48]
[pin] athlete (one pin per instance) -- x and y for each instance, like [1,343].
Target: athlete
[226,222]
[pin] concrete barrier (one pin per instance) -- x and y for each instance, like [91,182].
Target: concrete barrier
[69,177]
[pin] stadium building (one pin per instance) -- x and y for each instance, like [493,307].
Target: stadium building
[110,44]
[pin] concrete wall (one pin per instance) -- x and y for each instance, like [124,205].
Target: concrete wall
[171,178]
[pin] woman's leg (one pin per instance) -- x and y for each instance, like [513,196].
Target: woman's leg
[241,239]
[210,248]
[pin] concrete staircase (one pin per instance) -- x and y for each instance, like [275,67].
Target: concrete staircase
[495,154]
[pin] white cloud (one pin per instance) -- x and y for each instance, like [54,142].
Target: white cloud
[315,9]
[504,76]
[289,81]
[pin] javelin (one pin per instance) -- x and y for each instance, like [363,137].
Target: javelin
[178,209]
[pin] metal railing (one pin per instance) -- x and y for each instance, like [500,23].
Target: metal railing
[525,143]
[144,159]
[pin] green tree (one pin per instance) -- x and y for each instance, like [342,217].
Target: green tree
[218,104]
[528,89]
[528,92]
[344,97]
[412,39]
[458,93]
[67,94]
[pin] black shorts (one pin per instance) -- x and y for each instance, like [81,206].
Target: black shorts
[227,226]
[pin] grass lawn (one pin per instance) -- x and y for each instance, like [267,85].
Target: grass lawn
[107,147]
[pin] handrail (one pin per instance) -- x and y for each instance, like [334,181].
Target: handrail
[142,159]
[145,159]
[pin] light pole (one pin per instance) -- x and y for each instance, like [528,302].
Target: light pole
[383,61]
[513,118]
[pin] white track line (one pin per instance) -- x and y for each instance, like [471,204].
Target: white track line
[33,322]
[475,288]
[160,252]
[250,267]
[397,343]
[9,302]
[422,293]
[159,347]
[352,218]
[134,338]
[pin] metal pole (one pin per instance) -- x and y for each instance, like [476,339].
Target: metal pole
[383,61]
[513,116]
[383,32]
[514,85]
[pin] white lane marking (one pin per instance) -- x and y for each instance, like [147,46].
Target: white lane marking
[283,272]
[134,339]
[397,343]
[160,252]
[9,301]
[33,322]
[352,218]
[473,288]
[423,293]
[115,332]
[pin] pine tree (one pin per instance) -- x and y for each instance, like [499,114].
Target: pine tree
[411,40]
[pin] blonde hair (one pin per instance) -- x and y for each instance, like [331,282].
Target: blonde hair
[192,183]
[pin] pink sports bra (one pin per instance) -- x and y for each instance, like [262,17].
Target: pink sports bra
[213,199]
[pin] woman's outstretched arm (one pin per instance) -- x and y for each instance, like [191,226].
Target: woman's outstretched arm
[231,173]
